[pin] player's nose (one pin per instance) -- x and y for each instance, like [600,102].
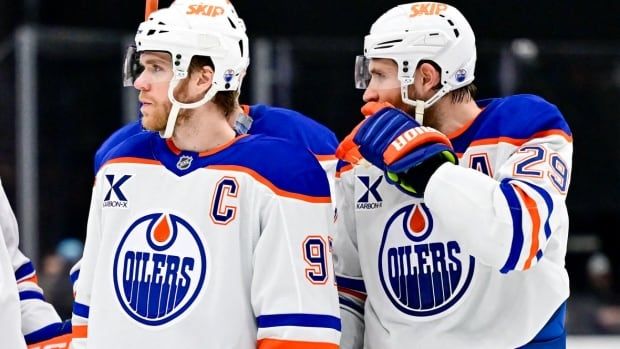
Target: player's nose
[370,95]
[140,83]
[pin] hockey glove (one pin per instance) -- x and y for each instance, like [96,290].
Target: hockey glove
[408,152]
[347,149]
[60,337]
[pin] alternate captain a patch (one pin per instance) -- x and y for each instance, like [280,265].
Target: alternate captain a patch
[160,268]
[421,274]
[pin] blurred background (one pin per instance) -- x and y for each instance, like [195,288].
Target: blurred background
[61,95]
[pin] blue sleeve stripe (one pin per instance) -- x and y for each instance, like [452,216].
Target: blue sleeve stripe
[300,320]
[353,284]
[47,332]
[74,276]
[350,304]
[517,228]
[25,270]
[25,295]
[548,201]
[81,310]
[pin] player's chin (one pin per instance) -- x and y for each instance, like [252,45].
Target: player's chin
[151,122]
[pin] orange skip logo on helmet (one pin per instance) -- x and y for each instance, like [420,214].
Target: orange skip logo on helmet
[205,10]
[427,9]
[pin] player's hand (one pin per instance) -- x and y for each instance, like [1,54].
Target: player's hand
[347,149]
[408,152]
[61,338]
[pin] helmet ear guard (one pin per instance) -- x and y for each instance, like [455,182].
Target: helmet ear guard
[410,33]
[186,30]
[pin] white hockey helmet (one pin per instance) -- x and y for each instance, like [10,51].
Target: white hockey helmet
[186,29]
[419,31]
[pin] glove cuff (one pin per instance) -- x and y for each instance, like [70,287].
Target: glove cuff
[419,176]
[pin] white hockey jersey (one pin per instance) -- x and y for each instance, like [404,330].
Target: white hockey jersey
[223,249]
[479,263]
[10,317]
[22,302]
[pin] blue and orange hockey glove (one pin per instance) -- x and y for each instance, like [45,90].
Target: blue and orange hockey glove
[394,142]
[347,149]
[56,336]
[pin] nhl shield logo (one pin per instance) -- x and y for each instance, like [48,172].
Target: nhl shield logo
[160,269]
[184,162]
[422,275]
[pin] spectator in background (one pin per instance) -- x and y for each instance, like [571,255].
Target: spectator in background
[54,275]
[597,309]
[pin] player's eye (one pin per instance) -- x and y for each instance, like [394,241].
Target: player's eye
[377,74]
[156,68]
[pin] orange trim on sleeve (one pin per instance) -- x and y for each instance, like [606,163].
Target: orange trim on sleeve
[521,141]
[132,160]
[356,294]
[344,169]
[79,331]
[266,182]
[325,157]
[270,343]
[33,278]
[532,208]
[57,342]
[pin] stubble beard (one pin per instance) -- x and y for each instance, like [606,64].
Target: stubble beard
[156,119]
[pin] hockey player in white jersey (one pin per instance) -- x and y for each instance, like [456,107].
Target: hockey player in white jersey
[452,224]
[204,238]
[25,318]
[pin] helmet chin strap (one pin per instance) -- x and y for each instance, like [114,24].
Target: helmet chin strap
[177,106]
[419,104]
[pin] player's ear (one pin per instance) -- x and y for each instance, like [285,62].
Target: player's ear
[430,76]
[205,77]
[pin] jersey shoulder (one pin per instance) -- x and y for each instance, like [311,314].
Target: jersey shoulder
[518,117]
[523,116]
[139,145]
[287,165]
[119,136]
[293,126]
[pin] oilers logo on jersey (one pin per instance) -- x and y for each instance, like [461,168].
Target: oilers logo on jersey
[160,267]
[421,276]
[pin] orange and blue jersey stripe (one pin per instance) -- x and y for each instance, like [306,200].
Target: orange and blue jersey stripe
[522,206]
[272,343]
[298,172]
[318,321]
[26,273]
[352,295]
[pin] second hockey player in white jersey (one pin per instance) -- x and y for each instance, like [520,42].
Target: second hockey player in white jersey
[431,254]
[204,238]
[25,317]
